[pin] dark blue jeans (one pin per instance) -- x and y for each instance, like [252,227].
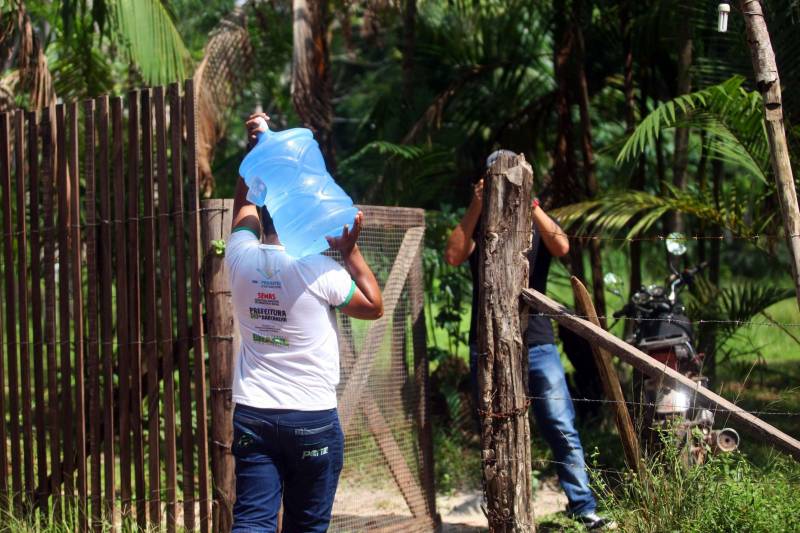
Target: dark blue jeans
[555,419]
[296,455]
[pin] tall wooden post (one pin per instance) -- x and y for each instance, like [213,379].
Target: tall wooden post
[216,225]
[769,85]
[608,377]
[502,360]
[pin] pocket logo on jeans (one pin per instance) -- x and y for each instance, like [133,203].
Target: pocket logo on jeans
[315,453]
[245,440]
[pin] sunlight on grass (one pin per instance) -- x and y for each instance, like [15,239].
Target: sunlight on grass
[772,342]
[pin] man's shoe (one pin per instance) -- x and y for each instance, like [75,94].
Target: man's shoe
[595,522]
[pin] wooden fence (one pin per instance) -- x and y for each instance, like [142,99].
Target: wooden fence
[102,393]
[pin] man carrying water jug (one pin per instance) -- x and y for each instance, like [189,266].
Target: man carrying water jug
[287,441]
[552,405]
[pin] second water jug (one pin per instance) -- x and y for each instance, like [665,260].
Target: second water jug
[286,172]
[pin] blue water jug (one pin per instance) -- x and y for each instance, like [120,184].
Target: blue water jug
[286,172]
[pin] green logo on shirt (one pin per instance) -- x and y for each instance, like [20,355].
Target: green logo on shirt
[274,341]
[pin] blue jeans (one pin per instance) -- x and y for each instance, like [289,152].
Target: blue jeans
[296,455]
[555,418]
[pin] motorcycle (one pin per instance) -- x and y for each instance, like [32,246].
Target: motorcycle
[662,330]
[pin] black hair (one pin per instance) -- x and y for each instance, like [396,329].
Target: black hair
[267,226]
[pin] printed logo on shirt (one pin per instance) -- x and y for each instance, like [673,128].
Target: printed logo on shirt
[267,298]
[260,313]
[274,341]
[267,329]
[268,281]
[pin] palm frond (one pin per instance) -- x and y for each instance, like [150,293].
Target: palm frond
[399,174]
[731,116]
[637,211]
[151,38]
[407,152]
[723,312]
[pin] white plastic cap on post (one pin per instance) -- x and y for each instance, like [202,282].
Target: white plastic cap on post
[722,22]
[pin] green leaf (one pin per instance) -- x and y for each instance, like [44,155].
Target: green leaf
[218,246]
[152,40]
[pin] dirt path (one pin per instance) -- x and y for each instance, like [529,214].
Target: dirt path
[461,512]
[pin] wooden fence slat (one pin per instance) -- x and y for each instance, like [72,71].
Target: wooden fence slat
[77,313]
[63,303]
[182,341]
[22,290]
[11,313]
[150,312]
[92,348]
[197,311]
[123,340]
[134,333]
[4,462]
[105,254]
[36,305]
[165,322]
[48,236]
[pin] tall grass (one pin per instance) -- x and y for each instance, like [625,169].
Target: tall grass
[726,494]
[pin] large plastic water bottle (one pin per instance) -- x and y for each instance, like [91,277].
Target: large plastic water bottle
[286,172]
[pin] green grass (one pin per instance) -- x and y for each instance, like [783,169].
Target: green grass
[772,343]
[726,494]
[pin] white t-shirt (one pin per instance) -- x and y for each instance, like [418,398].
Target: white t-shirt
[289,354]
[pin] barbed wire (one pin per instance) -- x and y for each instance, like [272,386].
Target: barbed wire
[738,323]
[629,473]
[654,404]
[654,238]
[102,222]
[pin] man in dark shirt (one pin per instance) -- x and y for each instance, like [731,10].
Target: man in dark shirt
[552,404]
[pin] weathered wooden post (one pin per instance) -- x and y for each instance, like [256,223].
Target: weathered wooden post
[216,226]
[610,380]
[503,360]
[769,85]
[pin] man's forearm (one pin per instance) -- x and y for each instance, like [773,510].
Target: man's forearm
[244,212]
[552,235]
[362,275]
[459,244]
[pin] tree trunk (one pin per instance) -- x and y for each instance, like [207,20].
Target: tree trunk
[681,160]
[568,189]
[503,360]
[595,255]
[709,343]
[409,44]
[769,85]
[637,178]
[564,168]
[564,182]
[702,184]
[311,79]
